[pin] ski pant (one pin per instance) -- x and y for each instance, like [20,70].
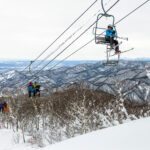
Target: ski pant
[30,93]
[112,41]
[38,92]
[2,109]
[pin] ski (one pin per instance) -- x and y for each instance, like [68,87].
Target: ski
[122,52]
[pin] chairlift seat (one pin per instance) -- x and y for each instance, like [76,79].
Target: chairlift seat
[111,63]
[101,40]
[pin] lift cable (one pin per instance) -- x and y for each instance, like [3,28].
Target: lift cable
[70,55]
[70,43]
[100,34]
[60,35]
[133,11]
[103,32]
[70,36]
[73,41]
[67,39]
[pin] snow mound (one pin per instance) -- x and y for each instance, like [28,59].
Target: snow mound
[10,74]
[5,139]
[130,136]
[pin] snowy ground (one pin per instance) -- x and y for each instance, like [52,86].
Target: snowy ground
[130,136]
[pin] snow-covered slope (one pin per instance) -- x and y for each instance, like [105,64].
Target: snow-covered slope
[5,139]
[130,136]
[8,139]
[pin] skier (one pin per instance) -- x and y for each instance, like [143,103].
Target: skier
[35,84]
[1,107]
[110,35]
[5,107]
[31,89]
[37,88]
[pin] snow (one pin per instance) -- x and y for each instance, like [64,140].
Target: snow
[5,139]
[148,73]
[129,136]
[2,78]
[10,74]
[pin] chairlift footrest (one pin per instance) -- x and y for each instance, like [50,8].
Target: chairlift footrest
[111,63]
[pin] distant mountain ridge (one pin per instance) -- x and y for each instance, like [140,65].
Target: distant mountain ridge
[9,65]
[131,75]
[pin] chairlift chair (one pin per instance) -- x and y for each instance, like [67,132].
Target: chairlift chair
[100,38]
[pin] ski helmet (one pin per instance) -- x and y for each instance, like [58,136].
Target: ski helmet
[110,25]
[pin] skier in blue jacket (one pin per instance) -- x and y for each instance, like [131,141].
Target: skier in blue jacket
[31,89]
[110,35]
[1,107]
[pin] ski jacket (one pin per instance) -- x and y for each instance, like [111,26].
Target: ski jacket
[35,85]
[1,105]
[31,88]
[5,104]
[110,33]
[38,87]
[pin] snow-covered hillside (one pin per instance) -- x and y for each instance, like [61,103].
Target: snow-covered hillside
[130,136]
[129,74]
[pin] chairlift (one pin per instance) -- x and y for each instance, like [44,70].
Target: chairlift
[99,33]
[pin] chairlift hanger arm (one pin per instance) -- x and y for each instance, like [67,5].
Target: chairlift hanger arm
[105,15]
[102,4]
[105,12]
[95,30]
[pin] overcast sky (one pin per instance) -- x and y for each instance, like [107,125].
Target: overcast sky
[27,27]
